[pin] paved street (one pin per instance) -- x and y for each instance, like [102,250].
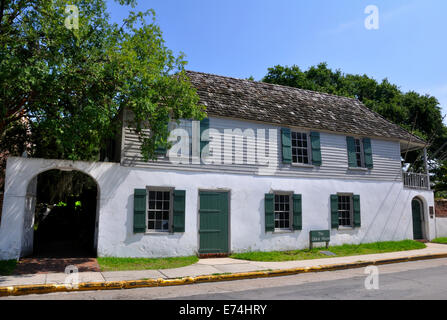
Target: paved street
[411,280]
[204,267]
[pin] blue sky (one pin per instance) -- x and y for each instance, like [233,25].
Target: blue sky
[245,37]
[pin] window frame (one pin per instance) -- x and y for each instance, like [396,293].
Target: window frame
[362,154]
[309,149]
[171,209]
[290,197]
[351,210]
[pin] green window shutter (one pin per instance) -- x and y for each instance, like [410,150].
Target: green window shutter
[356,204]
[352,161]
[286,145]
[204,125]
[269,212]
[161,151]
[178,224]
[367,150]
[316,148]
[139,211]
[334,211]
[297,212]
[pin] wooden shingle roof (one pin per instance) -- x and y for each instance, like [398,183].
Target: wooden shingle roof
[288,106]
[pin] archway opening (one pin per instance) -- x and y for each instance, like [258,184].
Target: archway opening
[65,215]
[417,207]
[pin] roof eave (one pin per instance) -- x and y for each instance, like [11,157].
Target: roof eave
[407,146]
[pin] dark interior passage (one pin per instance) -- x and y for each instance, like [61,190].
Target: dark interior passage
[64,225]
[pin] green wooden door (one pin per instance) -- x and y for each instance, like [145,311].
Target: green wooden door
[213,222]
[417,219]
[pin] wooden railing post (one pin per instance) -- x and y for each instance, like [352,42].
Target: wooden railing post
[416,180]
[426,168]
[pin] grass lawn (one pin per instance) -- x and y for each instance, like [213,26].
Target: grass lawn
[7,267]
[120,264]
[440,240]
[340,251]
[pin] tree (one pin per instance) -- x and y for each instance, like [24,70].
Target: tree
[70,85]
[419,114]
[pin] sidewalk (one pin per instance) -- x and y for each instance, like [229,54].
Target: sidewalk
[220,269]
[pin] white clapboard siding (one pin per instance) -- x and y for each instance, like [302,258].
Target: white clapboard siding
[386,155]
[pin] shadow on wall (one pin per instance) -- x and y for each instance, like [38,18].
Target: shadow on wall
[385,219]
[8,235]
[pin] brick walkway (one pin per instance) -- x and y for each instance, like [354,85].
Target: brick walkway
[50,265]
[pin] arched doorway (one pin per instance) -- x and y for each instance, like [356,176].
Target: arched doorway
[62,213]
[417,208]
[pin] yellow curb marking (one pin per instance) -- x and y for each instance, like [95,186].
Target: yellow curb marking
[131,284]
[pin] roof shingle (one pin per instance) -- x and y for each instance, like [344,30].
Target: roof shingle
[287,106]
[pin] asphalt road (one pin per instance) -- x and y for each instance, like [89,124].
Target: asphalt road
[411,280]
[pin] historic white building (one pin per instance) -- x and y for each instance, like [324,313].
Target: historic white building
[268,165]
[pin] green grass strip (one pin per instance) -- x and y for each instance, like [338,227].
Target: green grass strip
[340,251]
[440,240]
[121,264]
[7,267]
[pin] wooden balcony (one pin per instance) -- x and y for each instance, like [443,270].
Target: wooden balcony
[416,180]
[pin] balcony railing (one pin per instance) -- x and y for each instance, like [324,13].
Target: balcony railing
[416,180]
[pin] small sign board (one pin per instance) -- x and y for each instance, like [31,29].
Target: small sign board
[319,236]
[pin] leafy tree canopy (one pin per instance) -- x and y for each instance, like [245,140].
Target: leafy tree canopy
[62,89]
[419,114]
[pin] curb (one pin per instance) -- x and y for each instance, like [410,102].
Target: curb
[132,284]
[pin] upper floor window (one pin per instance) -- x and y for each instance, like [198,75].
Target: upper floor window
[359,153]
[300,148]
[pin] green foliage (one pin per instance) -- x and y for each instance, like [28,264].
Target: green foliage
[340,251]
[440,172]
[439,195]
[61,204]
[55,186]
[71,85]
[419,114]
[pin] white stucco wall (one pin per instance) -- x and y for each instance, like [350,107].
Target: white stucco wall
[385,209]
[441,227]
[19,174]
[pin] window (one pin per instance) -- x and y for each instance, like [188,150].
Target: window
[345,212]
[359,153]
[282,212]
[159,210]
[300,148]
